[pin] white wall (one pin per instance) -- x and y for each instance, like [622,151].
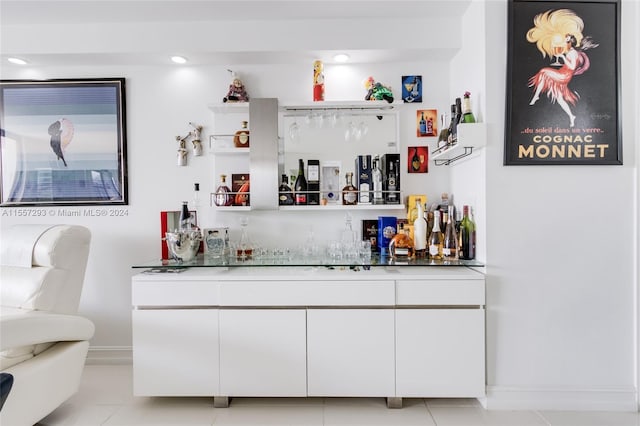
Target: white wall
[562,265]
[562,260]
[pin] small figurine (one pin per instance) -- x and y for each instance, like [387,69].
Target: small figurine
[377,92]
[182,150]
[195,134]
[318,81]
[237,92]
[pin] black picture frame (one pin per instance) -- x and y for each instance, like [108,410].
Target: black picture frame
[544,91]
[63,142]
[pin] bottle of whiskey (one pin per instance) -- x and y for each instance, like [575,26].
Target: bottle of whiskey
[285,194]
[241,137]
[349,192]
[301,186]
[223,195]
[401,245]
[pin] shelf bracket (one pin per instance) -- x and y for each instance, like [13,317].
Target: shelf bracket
[445,162]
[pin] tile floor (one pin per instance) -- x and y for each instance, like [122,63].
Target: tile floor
[106,398]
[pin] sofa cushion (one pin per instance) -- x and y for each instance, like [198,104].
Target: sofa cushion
[35,288]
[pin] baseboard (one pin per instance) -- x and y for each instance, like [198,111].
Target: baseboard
[109,355]
[605,399]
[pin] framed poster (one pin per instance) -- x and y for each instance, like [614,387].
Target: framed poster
[563,83]
[63,142]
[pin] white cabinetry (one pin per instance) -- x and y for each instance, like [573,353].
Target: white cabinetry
[172,357]
[294,331]
[263,352]
[351,352]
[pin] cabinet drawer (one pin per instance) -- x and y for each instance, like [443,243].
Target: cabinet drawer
[307,293]
[175,293]
[441,292]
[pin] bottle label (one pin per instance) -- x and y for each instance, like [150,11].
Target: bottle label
[401,251]
[446,251]
[350,197]
[243,138]
[301,198]
[433,250]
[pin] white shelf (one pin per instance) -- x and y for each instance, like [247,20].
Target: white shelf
[230,107]
[470,137]
[343,207]
[233,208]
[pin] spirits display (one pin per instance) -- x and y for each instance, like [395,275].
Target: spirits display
[313,182]
[450,243]
[241,137]
[300,186]
[467,114]
[401,245]
[420,231]
[223,195]
[185,217]
[376,178]
[349,192]
[436,238]
[285,194]
[363,178]
[391,178]
[468,236]
[240,187]
[386,231]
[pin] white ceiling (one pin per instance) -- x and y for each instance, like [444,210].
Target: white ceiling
[141,13]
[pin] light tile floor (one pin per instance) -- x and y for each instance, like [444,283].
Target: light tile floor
[106,398]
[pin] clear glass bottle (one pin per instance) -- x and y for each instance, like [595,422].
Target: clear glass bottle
[376,178]
[450,243]
[467,113]
[420,231]
[468,236]
[401,245]
[241,137]
[244,250]
[285,194]
[223,196]
[436,238]
[349,192]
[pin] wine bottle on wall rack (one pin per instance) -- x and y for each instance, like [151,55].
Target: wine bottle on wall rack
[301,186]
[467,113]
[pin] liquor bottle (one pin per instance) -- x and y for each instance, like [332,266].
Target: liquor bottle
[444,132]
[468,236]
[415,160]
[422,128]
[458,119]
[285,194]
[241,137]
[467,114]
[313,182]
[185,217]
[392,185]
[450,243]
[452,125]
[300,186]
[349,192]
[376,177]
[436,238]
[223,195]
[443,207]
[196,196]
[420,231]
[401,245]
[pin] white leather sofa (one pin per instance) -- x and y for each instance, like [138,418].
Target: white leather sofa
[43,342]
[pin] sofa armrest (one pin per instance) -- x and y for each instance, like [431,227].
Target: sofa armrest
[41,327]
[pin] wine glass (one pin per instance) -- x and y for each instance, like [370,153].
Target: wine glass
[557,45]
[294,131]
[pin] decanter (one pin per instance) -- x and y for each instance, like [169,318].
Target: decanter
[223,195]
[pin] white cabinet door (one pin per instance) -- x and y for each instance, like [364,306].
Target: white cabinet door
[350,352]
[175,352]
[263,352]
[440,353]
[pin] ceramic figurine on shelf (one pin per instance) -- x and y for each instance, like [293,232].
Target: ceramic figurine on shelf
[237,92]
[377,92]
[195,134]
[182,150]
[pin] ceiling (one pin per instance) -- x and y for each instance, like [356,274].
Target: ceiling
[141,13]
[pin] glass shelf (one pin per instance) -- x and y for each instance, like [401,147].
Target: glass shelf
[299,260]
[344,207]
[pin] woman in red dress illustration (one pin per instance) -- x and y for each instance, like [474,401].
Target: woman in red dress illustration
[568,48]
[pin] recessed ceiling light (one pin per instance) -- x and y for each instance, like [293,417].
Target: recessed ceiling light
[179,59]
[17,61]
[341,57]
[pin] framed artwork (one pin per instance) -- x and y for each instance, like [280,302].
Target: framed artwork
[417,159]
[563,83]
[412,88]
[426,122]
[63,142]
